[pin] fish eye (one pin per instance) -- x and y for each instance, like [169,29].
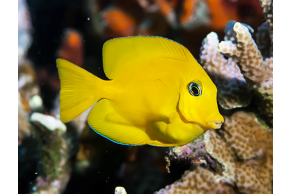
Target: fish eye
[195,89]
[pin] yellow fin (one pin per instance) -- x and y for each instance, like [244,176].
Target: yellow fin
[118,52]
[105,121]
[78,90]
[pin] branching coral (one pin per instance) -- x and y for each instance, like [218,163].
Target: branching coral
[232,88]
[250,61]
[243,71]
[247,56]
[230,34]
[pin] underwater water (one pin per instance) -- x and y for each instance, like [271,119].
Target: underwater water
[231,40]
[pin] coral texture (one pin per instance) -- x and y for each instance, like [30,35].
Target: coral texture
[268,12]
[252,144]
[232,88]
[250,61]
[245,151]
[199,181]
[230,33]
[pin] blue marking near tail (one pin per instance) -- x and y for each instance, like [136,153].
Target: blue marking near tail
[111,139]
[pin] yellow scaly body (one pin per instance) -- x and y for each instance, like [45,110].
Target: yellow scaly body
[147,99]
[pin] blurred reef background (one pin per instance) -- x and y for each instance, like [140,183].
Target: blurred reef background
[231,39]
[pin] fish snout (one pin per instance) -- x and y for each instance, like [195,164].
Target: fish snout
[215,124]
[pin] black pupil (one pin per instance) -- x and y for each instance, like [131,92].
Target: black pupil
[195,90]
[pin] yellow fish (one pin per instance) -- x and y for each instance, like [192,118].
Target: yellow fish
[157,93]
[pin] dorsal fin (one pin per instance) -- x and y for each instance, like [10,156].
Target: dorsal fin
[122,53]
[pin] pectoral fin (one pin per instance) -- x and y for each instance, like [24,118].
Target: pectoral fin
[104,120]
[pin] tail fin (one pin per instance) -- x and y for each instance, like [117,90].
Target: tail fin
[78,90]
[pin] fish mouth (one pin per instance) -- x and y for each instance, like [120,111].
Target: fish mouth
[205,128]
[215,124]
